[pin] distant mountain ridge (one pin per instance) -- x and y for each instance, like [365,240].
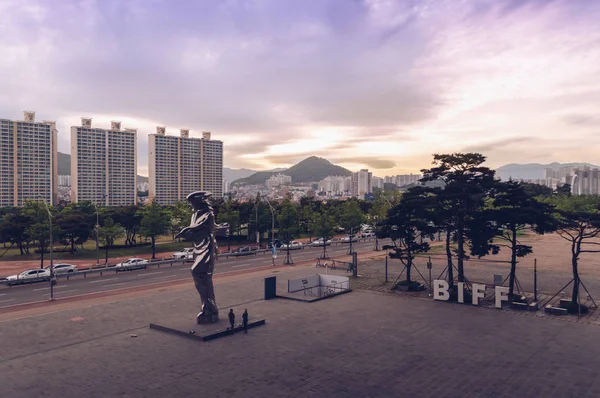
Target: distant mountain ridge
[533,171]
[310,169]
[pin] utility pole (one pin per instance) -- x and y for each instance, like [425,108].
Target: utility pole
[52,280]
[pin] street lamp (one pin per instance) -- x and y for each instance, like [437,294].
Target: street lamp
[98,233]
[272,227]
[51,250]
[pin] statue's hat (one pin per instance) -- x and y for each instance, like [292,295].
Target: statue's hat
[198,196]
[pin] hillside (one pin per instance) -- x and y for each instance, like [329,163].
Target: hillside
[309,170]
[532,170]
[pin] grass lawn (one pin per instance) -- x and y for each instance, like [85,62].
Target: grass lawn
[163,244]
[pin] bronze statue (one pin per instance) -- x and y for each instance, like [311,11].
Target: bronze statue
[201,232]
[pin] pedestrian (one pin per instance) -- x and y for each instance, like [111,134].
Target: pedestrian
[245,320]
[231,318]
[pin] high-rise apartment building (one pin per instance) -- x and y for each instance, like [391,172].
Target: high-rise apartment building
[103,164]
[585,181]
[181,165]
[28,161]
[362,183]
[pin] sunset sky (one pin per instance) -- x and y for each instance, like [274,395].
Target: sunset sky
[380,84]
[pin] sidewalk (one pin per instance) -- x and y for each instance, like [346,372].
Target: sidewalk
[358,344]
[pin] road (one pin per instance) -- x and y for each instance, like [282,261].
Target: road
[75,286]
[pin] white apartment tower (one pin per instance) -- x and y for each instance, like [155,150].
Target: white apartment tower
[28,161]
[181,165]
[103,164]
[362,183]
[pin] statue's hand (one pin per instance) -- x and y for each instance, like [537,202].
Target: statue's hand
[183,233]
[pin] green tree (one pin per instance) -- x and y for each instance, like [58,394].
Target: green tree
[578,222]
[351,218]
[181,213]
[287,220]
[406,224]
[39,226]
[535,190]
[513,212]
[466,186]
[563,189]
[108,233]
[13,229]
[76,224]
[305,215]
[229,215]
[378,213]
[130,218]
[323,224]
[155,222]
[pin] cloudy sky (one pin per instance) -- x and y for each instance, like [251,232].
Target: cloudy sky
[381,84]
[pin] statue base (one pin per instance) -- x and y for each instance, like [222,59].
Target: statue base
[207,318]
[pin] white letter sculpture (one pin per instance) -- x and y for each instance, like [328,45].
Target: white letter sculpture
[440,290]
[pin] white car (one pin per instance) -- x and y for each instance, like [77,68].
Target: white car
[346,239]
[292,245]
[186,253]
[368,234]
[319,242]
[29,276]
[132,263]
[63,268]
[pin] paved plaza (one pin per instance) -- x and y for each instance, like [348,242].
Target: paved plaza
[361,344]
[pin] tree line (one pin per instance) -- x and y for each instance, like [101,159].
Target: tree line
[479,215]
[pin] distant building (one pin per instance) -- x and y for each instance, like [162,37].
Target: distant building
[28,165]
[181,165]
[362,183]
[103,164]
[278,180]
[335,185]
[64,180]
[403,179]
[377,182]
[585,181]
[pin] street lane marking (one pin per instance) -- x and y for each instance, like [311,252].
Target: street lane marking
[104,280]
[240,265]
[48,288]
[63,291]
[6,301]
[150,273]
[2,294]
[115,284]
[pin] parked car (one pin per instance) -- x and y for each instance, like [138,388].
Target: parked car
[63,268]
[186,253]
[293,245]
[346,239]
[368,234]
[243,251]
[132,263]
[29,276]
[319,242]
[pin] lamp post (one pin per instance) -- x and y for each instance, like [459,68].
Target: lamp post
[272,227]
[52,280]
[98,233]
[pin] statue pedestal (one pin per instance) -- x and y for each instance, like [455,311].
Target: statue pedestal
[207,318]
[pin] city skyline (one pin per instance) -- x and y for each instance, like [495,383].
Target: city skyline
[366,84]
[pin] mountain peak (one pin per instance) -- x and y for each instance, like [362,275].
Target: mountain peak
[311,169]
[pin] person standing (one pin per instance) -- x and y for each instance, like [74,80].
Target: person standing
[231,318]
[245,320]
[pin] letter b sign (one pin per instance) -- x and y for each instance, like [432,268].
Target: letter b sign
[440,290]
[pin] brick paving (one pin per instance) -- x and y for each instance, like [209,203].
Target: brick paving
[361,344]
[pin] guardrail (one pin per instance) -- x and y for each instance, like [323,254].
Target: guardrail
[111,268]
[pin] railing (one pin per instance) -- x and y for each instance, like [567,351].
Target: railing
[108,268]
[327,290]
